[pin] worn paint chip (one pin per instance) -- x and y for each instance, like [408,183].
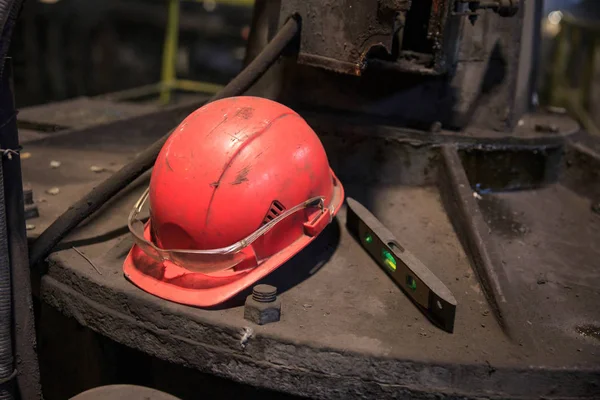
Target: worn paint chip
[242,176]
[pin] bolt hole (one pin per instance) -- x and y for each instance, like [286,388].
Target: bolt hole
[395,246]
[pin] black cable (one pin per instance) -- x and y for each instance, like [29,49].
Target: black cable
[6,347]
[27,383]
[9,12]
[111,186]
[7,366]
[87,241]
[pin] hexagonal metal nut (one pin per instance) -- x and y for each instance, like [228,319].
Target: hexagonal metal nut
[262,313]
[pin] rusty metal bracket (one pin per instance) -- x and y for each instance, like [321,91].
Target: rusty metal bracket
[345,36]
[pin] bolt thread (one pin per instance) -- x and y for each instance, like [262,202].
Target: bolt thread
[264,293]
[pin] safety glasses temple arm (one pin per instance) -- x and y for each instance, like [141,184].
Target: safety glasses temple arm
[315,201]
[312,202]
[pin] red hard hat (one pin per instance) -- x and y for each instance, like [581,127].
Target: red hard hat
[241,186]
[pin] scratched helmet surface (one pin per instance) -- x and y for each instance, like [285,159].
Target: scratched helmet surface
[230,169]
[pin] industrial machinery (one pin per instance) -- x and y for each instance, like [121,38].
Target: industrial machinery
[425,111]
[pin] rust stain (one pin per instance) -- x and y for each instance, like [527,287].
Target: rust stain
[218,125]
[242,176]
[228,164]
[168,164]
[245,112]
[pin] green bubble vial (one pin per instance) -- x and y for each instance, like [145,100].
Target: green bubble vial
[389,260]
[368,238]
[411,283]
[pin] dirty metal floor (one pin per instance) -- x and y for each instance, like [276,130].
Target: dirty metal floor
[550,244]
[346,329]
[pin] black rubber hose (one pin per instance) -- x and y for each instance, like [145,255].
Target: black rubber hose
[27,381]
[9,12]
[107,189]
[6,348]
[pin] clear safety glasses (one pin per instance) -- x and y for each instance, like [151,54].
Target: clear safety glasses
[213,260]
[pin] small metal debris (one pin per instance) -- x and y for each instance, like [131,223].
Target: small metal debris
[87,259]
[557,110]
[541,281]
[436,127]
[546,128]
[53,191]
[97,169]
[307,306]
[30,227]
[477,196]
[55,164]
[482,190]
[247,333]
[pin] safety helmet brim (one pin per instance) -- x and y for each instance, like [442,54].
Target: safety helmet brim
[171,282]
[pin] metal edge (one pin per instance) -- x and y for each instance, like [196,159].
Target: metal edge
[465,216]
[105,314]
[438,292]
[422,272]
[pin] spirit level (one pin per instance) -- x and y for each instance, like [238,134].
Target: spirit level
[430,295]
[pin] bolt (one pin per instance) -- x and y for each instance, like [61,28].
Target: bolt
[31,210]
[263,306]
[264,293]
[27,194]
[436,127]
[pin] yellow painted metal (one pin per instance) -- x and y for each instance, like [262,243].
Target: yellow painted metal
[239,3]
[170,51]
[196,86]
[169,79]
[575,37]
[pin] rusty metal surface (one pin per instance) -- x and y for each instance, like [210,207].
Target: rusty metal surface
[65,122]
[478,90]
[76,113]
[548,240]
[342,319]
[345,35]
[345,328]
[343,32]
